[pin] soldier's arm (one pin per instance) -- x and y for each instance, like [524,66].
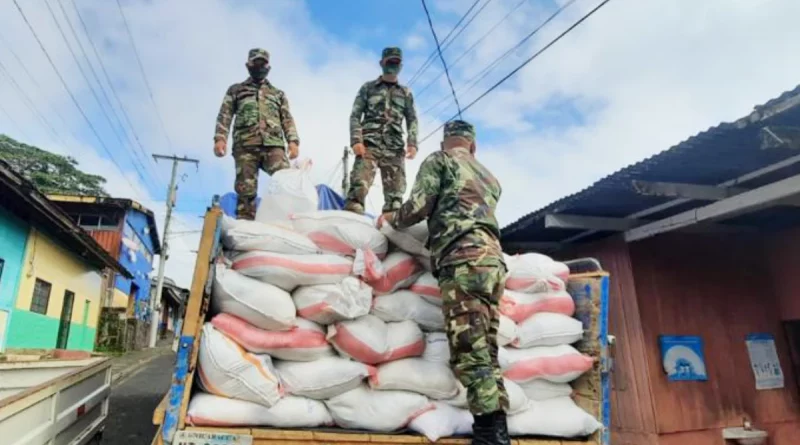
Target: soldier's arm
[423,196]
[225,117]
[287,121]
[355,116]
[411,119]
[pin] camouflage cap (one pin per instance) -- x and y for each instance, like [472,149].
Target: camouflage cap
[459,128]
[392,52]
[258,53]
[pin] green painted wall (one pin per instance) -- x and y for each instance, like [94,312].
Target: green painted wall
[31,330]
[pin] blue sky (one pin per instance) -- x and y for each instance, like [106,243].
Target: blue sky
[631,81]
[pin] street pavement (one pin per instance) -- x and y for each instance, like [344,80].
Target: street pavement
[133,399]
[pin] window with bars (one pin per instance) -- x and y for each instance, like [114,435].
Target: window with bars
[41,296]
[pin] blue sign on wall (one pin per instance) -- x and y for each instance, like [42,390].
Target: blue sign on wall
[682,357]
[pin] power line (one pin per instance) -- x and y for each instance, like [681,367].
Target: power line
[72,96]
[31,105]
[433,54]
[136,163]
[441,57]
[111,85]
[473,46]
[523,64]
[14,122]
[144,75]
[475,80]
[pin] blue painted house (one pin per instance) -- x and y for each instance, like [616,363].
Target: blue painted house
[127,230]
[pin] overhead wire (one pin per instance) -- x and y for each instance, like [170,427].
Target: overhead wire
[31,105]
[432,56]
[476,79]
[14,122]
[72,97]
[144,75]
[525,63]
[441,57]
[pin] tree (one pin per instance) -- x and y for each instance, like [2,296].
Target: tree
[50,172]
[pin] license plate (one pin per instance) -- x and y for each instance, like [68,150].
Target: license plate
[206,438]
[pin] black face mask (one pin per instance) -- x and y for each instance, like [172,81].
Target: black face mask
[391,68]
[258,72]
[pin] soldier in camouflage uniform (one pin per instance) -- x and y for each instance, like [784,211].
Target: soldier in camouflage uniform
[377,140]
[263,121]
[458,196]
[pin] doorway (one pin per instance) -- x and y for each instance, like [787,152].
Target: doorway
[65,321]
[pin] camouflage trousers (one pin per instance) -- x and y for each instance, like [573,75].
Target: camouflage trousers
[393,175]
[470,295]
[249,162]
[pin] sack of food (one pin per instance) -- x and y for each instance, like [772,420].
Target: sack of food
[308,222]
[288,271]
[517,400]
[400,271]
[289,412]
[418,375]
[559,417]
[329,303]
[227,370]
[437,348]
[411,240]
[366,409]
[287,192]
[260,304]
[427,286]
[370,340]
[442,421]
[322,379]
[305,342]
[406,305]
[559,364]
[548,329]
[244,236]
[520,306]
[538,389]
[341,232]
[506,332]
[534,272]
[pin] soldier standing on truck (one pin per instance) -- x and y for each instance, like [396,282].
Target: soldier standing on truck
[458,196]
[377,140]
[263,121]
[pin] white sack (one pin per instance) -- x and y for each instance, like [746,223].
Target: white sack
[369,339]
[329,303]
[289,271]
[260,304]
[559,417]
[242,235]
[533,272]
[400,271]
[434,380]
[506,332]
[321,379]
[363,408]
[520,306]
[311,221]
[411,240]
[406,305]
[285,193]
[305,342]
[225,369]
[427,286]
[546,329]
[559,364]
[517,400]
[437,348]
[341,232]
[443,421]
[538,389]
[290,412]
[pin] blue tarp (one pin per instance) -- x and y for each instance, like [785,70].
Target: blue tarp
[328,200]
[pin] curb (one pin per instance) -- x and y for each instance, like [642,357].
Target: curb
[136,366]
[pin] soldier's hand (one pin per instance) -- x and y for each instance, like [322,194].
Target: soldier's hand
[294,150]
[220,148]
[411,152]
[359,149]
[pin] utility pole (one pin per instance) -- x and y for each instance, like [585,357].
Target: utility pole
[155,300]
[345,179]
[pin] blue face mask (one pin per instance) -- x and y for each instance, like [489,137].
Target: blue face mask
[392,68]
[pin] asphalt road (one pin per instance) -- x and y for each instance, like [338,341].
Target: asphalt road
[133,400]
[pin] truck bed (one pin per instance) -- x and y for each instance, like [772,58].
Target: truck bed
[590,291]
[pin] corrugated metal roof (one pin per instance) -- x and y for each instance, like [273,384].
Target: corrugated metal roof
[714,156]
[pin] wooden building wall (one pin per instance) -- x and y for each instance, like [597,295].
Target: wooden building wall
[783,258]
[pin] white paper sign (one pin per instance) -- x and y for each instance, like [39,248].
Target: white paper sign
[764,361]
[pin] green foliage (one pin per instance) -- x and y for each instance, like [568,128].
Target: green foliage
[50,172]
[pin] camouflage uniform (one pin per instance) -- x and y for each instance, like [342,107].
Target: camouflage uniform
[383,106]
[263,120]
[458,195]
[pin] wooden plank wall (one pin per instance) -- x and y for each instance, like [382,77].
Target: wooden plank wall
[721,289]
[632,414]
[783,258]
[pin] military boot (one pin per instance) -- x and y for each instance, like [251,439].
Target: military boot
[490,429]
